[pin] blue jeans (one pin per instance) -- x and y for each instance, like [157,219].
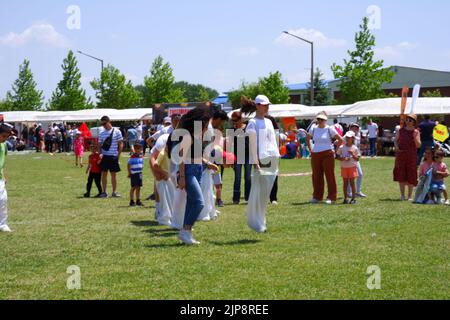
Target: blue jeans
[421,152]
[237,181]
[373,147]
[194,196]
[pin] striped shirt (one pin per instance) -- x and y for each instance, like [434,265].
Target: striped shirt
[117,137]
[136,164]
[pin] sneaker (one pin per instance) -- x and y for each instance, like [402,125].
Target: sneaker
[139,203]
[274,203]
[236,203]
[346,201]
[103,195]
[314,201]
[403,198]
[220,203]
[87,195]
[5,228]
[329,202]
[132,203]
[447,202]
[115,195]
[361,195]
[353,201]
[187,238]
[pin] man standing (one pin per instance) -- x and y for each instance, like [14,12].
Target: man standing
[426,129]
[111,147]
[373,137]
[5,131]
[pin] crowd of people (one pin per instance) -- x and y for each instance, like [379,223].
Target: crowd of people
[188,155]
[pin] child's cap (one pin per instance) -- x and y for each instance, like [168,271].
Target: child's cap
[350,134]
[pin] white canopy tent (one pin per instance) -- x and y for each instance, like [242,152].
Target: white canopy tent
[76,116]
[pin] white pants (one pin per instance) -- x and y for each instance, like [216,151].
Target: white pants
[207,185]
[166,191]
[3,204]
[262,183]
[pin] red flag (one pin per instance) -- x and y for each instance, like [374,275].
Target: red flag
[84,129]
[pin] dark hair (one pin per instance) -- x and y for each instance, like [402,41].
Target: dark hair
[439,154]
[427,117]
[137,145]
[5,128]
[237,114]
[220,114]
[248,106]
[197,114]
[105,119]
[335,121]
[274,122]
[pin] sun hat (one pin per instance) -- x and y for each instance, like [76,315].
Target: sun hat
[412,116]
[262,100]
[322,116]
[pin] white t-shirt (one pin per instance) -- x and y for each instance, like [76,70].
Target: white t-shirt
[266,137]
[373,130]
[323,138]
[139,132]
[160,144]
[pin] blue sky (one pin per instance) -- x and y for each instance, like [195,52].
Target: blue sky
[218,44]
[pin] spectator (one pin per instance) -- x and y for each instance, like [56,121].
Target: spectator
[373,138]
[291,150]
[426,129]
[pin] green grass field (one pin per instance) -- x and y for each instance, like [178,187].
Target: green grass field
[310,252]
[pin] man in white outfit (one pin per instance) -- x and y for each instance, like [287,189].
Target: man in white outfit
[5,131]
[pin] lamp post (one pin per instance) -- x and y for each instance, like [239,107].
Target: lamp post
[312,62]
[101,61]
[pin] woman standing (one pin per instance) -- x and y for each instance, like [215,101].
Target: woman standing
[265,155]
[407,140]
[323,158]
[191,167]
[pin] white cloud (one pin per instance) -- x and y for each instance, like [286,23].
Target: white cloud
[396,51]
[245,52]
[319,38]
[42,33]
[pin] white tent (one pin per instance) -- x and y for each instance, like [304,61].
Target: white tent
[77,116]
[282,110]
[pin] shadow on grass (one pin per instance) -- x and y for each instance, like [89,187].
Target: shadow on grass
[301,204]
[137,208]
[391,200]
[145,223]
[236,242]
[161,246]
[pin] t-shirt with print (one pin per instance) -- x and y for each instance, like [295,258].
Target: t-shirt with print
[344,152]
[266,137]
[117,137]
[322,138]
[3,153]
[441,167]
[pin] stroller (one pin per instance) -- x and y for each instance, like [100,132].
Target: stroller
[444,146]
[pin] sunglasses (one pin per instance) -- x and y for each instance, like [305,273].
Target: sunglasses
[321,120]
[409,120]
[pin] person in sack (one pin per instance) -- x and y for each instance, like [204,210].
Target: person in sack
[5,131]
[95,172]
[111,147]
[265,155]
[349,156]
[323,158]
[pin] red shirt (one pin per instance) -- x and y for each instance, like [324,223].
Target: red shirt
[94,158]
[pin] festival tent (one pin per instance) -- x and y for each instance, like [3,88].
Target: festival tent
[282,111]
[77,116]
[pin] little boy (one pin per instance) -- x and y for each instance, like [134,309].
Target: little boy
[135,169]
[95,172]
[5,132]
[440,172]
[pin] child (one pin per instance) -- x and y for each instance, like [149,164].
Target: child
[440,172]
[5,131]
[349,156]
[79,149]
[94,170]
[135,169]
[165,187]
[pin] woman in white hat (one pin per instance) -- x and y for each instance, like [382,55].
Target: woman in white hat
[323,158]
[265,155]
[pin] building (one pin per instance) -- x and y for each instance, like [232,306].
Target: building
[430,80]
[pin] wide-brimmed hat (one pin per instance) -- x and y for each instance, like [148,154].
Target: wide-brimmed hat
[412,116]
[322,116]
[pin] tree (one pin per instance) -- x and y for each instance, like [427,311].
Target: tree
[433,94]
[24,95]
[5,105]
[196,92]
[114,91]
[362,77]
[272,86]
[321,90]
[160,85]
[68,94]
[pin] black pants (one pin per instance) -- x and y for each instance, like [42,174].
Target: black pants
[97,177]
[237,181]
[274,193]
[49,146]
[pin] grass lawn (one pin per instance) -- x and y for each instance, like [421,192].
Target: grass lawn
[310,252]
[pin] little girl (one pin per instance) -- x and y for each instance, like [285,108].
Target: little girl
[349,156]
[79,149]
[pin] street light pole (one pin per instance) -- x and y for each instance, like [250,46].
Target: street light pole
[312,62]
[102,63]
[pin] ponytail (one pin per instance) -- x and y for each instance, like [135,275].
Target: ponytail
[248,106]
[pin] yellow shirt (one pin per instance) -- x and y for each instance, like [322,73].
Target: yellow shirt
[163,161]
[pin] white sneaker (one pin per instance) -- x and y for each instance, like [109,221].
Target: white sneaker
[361,195]
[329,202]
[275,203]
[187,238]
[5,228]
[314,201]
[447,202]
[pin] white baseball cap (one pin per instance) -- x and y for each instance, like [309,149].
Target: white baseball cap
[350,134]
[262,100]
[168,120]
